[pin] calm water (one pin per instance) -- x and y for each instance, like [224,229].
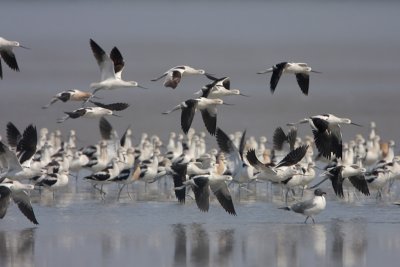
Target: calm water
[355,44]
[78,228]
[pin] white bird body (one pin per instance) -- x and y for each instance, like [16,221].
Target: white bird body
[310,207]
[111,67]
[174,75]
[208,108]
[301,70]
[69,95]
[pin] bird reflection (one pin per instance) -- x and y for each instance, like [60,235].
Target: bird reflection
[17,247]
[179,231]
[226,243]
[200,246]
[349,245]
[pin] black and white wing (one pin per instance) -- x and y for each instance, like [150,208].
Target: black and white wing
[277,71]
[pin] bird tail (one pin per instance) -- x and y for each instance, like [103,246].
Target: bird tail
[284,208]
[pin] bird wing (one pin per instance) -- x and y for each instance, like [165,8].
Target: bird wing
[5,198]
[303,80]
[106,65]
[336,140]
[113,106]
[226,83]
[209,116]
[303,206]
[21,198]
[10,59]
[226,145]
[187,115]
[173,79]
[242,144]
[293,156]
[123,138]
[359,182]
[201,192]
[105,129]
[179,176]
[76,113]
[221,191]
[258,165]
[118,61]
[11,157]
[26,148]
[13,135]
[1,70]
[335,175]
[276,75]
[279,138]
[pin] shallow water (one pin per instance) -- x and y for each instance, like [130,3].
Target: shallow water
[78,228]
[354,43]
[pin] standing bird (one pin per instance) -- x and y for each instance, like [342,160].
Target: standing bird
[174,75]
[111,68]
[7,54]
[327,134]
[70,95]
[95,112]
[301,70]
[310,207]
[207,107]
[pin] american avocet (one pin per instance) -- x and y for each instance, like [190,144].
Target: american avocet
[18,165]
[8,55]
[54,181]
[241,172]
[377,179]
[338,174]
[301,70]
[201,186]
[70,95]
[310,207]
[95,112]
[104,176]
[174,75]
[24,144]
[111,68]
[280,138]
[278,173]
[327,134]
[207,107]
[15,190]
[220,87]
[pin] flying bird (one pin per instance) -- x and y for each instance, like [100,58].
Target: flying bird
[207,107]
[220,87]
[95,112]
[327,133]
[111,67]
[174,75]
[16,191]
[7,54]
[301,70]
[70,95]
[201,186]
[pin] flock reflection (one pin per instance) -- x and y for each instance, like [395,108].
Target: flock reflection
[337,243]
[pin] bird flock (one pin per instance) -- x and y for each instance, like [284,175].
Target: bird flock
[31,160]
